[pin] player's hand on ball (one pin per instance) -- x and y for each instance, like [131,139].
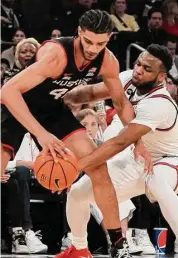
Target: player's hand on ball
[140,150]
[51,143]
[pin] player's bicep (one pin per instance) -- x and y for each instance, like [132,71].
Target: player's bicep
[48,65]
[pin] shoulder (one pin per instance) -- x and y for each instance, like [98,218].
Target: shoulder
[125,77]
[158,106]
[110,63]
[8,51]
[51,48]
[129,17]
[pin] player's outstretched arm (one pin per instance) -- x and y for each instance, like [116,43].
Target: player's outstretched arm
[50,63]
[86,93]
[115,145]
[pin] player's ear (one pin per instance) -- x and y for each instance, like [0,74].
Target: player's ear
[162,77]
[79,31]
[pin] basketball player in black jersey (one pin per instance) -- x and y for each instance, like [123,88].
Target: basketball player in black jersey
[33,102]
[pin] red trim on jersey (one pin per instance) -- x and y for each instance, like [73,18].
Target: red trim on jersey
[99,73]
[169,165]
[153,90]
[168,98]
[127,85]
[78,68]
[70,134]
[51,41]
[9,147]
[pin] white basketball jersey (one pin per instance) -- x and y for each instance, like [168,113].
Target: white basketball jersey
[158,111]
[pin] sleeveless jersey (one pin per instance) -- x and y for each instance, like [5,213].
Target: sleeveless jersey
[47,96]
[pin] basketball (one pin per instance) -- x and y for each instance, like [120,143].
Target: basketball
[56,176]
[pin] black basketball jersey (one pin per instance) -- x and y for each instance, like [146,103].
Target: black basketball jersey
[47,96]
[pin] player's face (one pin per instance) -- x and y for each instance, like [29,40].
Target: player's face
[26,52]
[91,43]
[147,71]
[91,124]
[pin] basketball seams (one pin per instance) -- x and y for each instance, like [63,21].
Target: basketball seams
[72,165]
[36,174]
[63,173]
[51,174]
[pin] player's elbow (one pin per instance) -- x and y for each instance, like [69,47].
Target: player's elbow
[7,93]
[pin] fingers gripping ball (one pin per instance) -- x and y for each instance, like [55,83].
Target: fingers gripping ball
[56,176]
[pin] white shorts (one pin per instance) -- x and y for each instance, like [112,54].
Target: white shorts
[129,179]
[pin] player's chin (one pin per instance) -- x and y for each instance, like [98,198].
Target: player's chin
[135,82]
[89,58]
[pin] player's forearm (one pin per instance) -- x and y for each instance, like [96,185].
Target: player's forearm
[79,95]
[125,111]
[13,100]
[87,93]
[103,153]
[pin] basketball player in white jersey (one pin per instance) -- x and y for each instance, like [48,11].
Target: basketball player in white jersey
[157,124]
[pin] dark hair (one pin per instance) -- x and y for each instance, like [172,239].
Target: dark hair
[170,40]
[162,54]
[154,10]
[96,21]
[5,61]
[18,29]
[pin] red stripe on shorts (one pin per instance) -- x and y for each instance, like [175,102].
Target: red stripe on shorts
[10,148]
[169,165]
[70,134]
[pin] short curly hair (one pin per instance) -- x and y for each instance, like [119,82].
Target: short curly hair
[162,54]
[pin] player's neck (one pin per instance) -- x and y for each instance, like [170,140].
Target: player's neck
[79,58]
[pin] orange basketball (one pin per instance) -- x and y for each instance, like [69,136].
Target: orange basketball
[56,176]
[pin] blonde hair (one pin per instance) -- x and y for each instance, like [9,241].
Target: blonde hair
[21,43]
[86,112]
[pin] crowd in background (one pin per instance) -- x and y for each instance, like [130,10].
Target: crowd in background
[25,25]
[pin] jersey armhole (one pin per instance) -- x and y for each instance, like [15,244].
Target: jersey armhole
[55,42]
[99,73]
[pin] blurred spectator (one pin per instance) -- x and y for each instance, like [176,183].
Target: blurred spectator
[24,239]
[154,32]
[89,119]
[172,87]
[170,23]
[9,54]
[4,67]
[69,16]
[172,47]
[9,20]
[25,50]
[37,18]
[122,21]
[56,33]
